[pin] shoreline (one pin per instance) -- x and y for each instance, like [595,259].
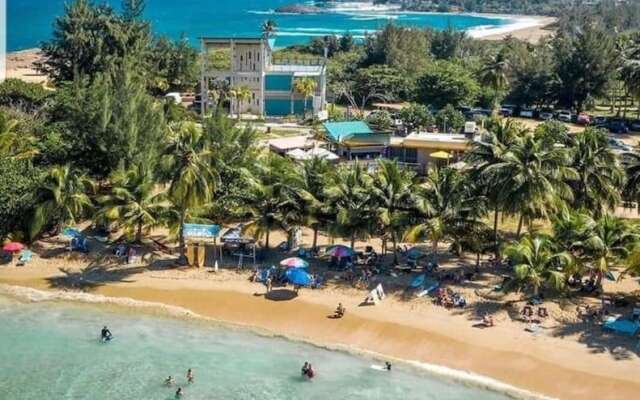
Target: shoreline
[433,340]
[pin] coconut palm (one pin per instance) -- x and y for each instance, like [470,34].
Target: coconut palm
[495,74]
[134,202]
[485,157]
[187,167]
[305,87]
[350,195]
[534,179]
[241,94]
[64,199]
[600,175]
[269,27]
[445,206]
[630,65]
[537,263]
[268,198]
[631,162]
[393,188]
[315,173]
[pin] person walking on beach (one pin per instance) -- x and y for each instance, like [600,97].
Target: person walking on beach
[268,284]
[190,376]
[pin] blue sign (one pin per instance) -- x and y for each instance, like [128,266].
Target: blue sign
[200,231]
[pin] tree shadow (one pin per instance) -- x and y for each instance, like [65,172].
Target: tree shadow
[598,340]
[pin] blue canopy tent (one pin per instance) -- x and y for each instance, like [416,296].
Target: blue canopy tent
[299,277]
[200,234]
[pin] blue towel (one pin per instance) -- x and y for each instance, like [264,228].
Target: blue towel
[417,281]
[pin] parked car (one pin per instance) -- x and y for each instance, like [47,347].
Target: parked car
[619,145]
[635,125]
[506,112]
[564,116]
[617,126]
[526,113]
[583,119]
[545,115]
[600,121]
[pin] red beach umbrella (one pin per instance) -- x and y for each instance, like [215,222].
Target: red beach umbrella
[13,247]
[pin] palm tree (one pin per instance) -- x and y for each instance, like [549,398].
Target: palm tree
[315,174]
[630,65]
[600,175]
[446,205]
[495,74]
[269,27]
[631,162]
[306,87]
[486,157]
[13,143]
[241,93]
[65,198]
[186,163]
[535,179]
[393,188]
[350,195]
[538,263]
[268,199]
[134,201]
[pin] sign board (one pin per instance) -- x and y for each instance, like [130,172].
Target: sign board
[201,231]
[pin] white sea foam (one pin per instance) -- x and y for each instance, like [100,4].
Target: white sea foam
[362,6]
[434,370]
[517,24]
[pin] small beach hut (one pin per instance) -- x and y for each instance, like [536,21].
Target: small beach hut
[197,237]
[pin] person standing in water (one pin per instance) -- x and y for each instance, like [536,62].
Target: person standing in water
[190,376]
[310,372]
[305,369]
[106,334]
[179,393]
[170,381]
[387,365]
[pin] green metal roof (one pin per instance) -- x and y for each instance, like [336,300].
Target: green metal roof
[339,131]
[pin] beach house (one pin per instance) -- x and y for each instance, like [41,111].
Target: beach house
[268,84]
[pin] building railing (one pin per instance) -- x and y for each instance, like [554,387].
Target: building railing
[319,61]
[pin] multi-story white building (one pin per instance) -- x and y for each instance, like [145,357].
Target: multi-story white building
[249,62]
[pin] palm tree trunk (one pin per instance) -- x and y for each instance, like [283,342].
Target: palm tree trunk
[181,234]
[315,237]
[395,248]
[238,109]
[353,242]
[266,240]
[519,226]
[477,262]
[435,252]
[139,232]
[495,231]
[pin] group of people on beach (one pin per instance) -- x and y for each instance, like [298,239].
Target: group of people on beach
[170,381]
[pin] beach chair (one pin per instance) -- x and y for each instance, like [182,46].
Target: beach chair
[25,257]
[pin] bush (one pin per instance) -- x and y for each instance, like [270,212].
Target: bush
[24,96]
[18,194]
[450,118]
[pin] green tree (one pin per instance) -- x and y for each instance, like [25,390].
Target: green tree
[600,175]
[63,199]
[23,96]
[380,120]
[393,189]
[174,66]
[269,28]
[495,74]
[19,182]
[630,65]
[241,94]
[186,164]
[351,198]
[537,263]
[13,143]
[134,202]
[450,119]
[416,116]
[315,175]
[444,83]
[305,87]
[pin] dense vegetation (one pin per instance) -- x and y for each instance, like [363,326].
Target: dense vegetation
[102,146]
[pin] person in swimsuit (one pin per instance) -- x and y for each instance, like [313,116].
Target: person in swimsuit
[179,393]
[387,365]
[170,381]
[106,334]
[190,376]
[310,372]
[305,369]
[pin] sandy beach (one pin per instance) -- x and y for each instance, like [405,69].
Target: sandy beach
[590,364]
[526,28]
[20,65]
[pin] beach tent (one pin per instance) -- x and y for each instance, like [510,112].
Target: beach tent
[197,236]
[298,277]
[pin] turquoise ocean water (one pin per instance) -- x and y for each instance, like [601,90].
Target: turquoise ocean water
[30,21]
[50,350]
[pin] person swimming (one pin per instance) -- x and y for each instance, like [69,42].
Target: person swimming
[387,365]
[170,381]
[310,372]
[305,369]
[106,334]
[179,393]
[190,376]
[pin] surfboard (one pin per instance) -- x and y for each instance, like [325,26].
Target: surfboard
[379,367]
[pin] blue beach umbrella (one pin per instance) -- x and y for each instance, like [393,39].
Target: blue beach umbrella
[299,277]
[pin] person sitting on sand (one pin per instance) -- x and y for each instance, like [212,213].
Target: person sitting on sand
[487,320]
[106,334]
[179,393]
[304,369]
[340,310]
[170,381]
[189,376]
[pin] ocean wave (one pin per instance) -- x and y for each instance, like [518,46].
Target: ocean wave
[361,6]
[314,34]
[481,31]
[432,370]
[262,12]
